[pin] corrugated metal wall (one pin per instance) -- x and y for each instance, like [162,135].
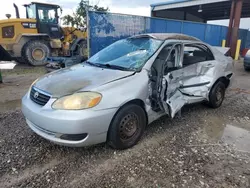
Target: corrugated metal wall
[248,40]
[106,28]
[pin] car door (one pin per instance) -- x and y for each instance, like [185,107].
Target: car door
[198,70]
[172,76]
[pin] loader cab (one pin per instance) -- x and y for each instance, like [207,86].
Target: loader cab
[47,18]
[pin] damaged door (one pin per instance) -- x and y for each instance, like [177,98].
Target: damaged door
[172,75]
[198,70]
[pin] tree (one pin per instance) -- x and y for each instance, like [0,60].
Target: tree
[68,20]
[79,17]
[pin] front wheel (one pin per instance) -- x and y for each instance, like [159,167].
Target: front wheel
[35,52]
[217,95]
[127,127]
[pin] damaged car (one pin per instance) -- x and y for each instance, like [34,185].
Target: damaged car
[247,61]
[116,93]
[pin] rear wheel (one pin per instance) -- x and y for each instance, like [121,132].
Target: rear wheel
[35,52]
[82,49]
[127,127]
[217,94]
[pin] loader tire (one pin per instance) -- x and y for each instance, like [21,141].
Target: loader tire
[82,49]
[35,52]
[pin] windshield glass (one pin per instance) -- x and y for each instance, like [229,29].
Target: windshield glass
[47,14]
[31,11]
[131,53]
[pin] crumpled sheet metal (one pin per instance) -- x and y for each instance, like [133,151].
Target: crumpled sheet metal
[202,73]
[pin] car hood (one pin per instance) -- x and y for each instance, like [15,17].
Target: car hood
[78,78]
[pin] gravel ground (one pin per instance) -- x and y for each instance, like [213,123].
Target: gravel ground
[203,148]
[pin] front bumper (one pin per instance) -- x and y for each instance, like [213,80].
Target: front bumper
[52,124]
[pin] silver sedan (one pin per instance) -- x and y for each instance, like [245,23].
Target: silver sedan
[113,95]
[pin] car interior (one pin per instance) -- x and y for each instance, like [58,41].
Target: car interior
[195,54]
[156,71]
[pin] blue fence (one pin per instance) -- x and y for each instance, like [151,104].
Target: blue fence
[106,28]
[248,40]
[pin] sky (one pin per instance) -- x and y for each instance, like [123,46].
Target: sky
[134,7]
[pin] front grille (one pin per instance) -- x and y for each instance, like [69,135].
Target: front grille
[38,96]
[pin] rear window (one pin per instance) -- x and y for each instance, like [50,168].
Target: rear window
[195,53]
[8,32]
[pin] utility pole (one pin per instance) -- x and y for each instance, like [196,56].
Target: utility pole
[231,22]
[234,24]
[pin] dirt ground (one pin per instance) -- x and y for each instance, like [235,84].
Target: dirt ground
[203,148]
[15,84]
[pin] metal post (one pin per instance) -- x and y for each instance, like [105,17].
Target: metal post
[236,25]
[153,13]
[231,21]
[223,43]
[237,53]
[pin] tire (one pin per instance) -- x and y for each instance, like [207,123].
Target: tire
[35,52]
[82,49]
[247,69]
[217,95]
[127,127]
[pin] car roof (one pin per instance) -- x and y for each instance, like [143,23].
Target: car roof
[167,36]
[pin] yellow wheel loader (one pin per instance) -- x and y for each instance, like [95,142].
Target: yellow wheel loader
[38,36]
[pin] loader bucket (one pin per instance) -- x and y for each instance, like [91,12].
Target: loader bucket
[4,55]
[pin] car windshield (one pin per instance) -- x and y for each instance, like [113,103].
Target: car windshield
[129,54]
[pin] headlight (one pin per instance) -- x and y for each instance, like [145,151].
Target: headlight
[77,101]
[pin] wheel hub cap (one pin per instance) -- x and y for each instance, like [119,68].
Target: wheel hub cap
[38,54]
[128,126]
[218,95]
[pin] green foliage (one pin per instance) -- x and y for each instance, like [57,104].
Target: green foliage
[79,17]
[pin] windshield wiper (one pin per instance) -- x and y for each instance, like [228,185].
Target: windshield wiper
[109,66]
[92,64]
[116,67]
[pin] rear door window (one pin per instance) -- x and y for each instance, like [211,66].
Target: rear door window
[195,53]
